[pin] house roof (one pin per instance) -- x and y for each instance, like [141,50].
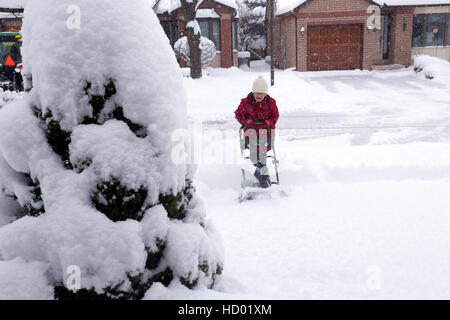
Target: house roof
[162,6]
[284,6]
[414,2]
[11,4]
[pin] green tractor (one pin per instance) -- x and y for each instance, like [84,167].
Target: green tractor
[11,61]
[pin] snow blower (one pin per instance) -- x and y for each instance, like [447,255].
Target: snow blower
[251,187]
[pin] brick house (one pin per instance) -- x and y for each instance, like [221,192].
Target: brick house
[11,17]
[313,35]
[217,20]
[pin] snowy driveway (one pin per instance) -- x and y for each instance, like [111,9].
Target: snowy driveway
[365,157]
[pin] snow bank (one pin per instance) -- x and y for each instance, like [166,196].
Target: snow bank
[431,67]
[7,96]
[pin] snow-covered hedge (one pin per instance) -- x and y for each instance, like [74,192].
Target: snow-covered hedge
[431,67]
[207,47]
[87,157]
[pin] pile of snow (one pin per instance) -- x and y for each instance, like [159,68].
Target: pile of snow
[8,96]
[71,68]
[431,67]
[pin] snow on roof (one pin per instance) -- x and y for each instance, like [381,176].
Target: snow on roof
[206,13]
[414,2]
[11,4]
[6,15]
[284,6]
[14,4]
[163,6]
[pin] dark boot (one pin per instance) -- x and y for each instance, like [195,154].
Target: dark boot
[263,178]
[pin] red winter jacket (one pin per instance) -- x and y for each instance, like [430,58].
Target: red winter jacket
[266,112]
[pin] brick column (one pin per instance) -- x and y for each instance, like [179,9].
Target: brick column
[368,47]
[401,36]
[302,58]
[225,41]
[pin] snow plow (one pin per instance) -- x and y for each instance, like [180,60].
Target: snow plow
[11,61]
[251,187]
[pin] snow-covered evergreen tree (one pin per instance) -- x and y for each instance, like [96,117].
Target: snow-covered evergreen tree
[252,31]
[87,155]
[207,47]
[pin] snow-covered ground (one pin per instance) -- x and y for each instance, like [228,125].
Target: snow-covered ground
[365,160]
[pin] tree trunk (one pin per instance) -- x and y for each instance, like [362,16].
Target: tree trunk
[189,11]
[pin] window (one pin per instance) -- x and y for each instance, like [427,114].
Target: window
[448,30]
[435,29]
[418,39]
[234,37]
[210,29]
[171,30]
[431,30]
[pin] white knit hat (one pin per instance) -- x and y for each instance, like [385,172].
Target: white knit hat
[259,85]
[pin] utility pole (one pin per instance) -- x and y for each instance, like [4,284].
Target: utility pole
[272,62]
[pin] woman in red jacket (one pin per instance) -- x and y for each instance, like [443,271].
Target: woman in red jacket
[258,114]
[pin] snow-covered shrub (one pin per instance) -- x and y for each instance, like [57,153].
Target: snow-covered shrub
[87,156]
[431,67]
[207,47]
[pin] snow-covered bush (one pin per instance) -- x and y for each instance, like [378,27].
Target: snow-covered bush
[207,47]
[87,155]
[431,67]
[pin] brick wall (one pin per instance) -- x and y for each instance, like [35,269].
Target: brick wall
[401,35]
[285,55]
[7,24]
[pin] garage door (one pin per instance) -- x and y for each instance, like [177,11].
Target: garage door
[337,47]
